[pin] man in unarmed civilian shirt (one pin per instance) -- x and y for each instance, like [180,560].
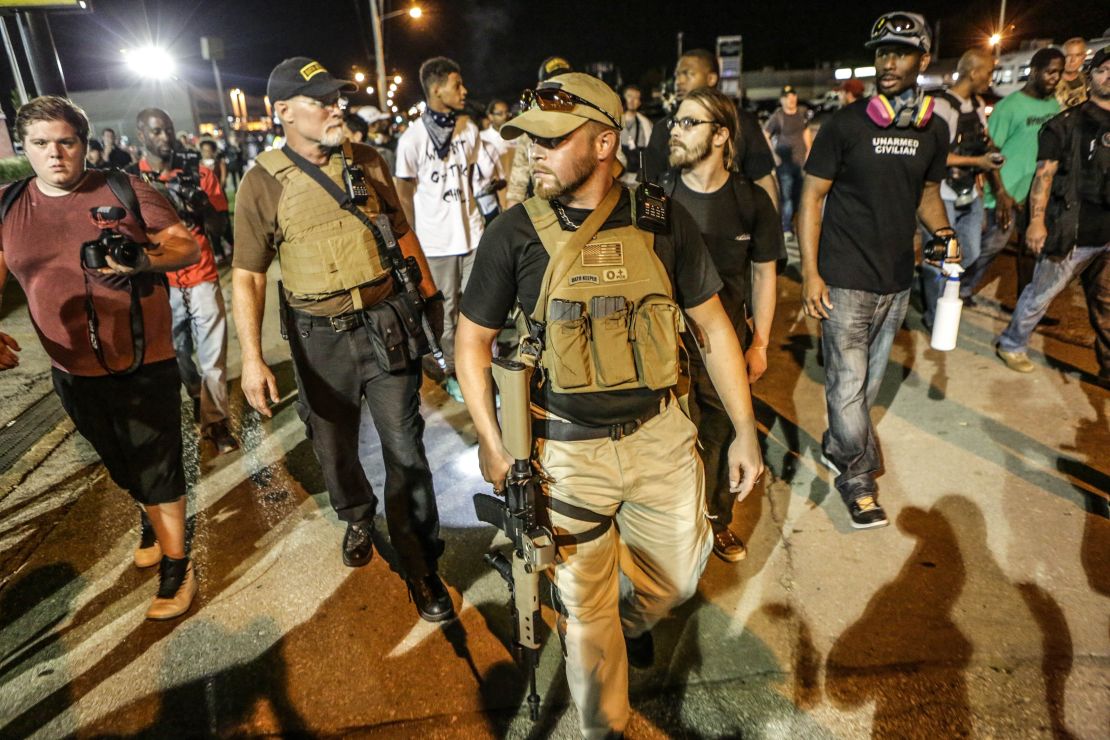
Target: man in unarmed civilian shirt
[873,166]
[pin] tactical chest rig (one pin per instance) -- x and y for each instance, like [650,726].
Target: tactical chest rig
[605,319]
[325,250]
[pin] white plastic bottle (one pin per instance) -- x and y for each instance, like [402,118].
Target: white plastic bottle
[946,322]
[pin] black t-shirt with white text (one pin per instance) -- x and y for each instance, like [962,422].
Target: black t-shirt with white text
[878,176]
[737,234]
[509,267]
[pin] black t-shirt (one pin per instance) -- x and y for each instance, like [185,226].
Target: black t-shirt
[752,151]
[740,226]
[509,267]
[878,176]
[1094,215]
[118,158]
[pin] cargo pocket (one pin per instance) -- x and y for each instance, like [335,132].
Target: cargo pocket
[568,345]
[612,349]
[388,338]
[656,328]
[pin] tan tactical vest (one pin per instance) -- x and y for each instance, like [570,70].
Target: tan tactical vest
[325,250]
[607,303]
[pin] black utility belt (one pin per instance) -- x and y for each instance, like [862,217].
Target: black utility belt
[393,326]
[565,431]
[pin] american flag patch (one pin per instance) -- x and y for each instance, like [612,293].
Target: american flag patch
[603,254]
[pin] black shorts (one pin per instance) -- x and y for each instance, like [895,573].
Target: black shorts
[134,424]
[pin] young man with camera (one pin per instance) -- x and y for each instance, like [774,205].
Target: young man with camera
[97,295]
[875,169]
[199,316]
[312,200]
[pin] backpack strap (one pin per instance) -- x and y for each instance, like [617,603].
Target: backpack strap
[11,195]
[120,185]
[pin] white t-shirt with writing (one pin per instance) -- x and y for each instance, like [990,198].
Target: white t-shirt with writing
[448,221]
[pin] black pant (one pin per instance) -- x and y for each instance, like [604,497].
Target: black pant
[1096,284]
[335,371]
[134,424]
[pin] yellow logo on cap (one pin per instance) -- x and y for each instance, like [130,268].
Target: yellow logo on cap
[309,71]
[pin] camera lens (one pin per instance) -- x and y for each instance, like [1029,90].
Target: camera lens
[127,254]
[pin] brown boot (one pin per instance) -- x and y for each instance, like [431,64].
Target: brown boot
[149,552]
[177,587]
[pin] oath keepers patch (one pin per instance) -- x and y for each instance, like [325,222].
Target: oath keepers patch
[309,71]
[579,279]
[603,254]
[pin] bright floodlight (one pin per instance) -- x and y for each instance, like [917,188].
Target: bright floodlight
[995,39]
[150,61]
[359,77]
[415,11]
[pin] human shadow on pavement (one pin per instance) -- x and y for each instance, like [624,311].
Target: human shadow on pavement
[906,637]
[47,589]
[1057,653]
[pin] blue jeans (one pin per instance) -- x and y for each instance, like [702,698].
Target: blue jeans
[856,339]
[790,185]
[200,326]
[1050,276]
[968,223]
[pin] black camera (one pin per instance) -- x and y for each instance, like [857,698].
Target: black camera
[942,247]
[184,187]
[110,243]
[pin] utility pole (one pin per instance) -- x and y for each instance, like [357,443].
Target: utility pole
[379,53]
[1001,26]
[212,49]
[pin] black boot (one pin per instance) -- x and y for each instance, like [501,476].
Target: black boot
[358,545]
[433,603]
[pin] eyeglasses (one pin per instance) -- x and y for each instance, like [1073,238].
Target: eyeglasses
[332,101]
[897,25]
[561,101]
[687,123]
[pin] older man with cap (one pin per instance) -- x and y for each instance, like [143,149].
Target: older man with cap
[612,444]
[337,297]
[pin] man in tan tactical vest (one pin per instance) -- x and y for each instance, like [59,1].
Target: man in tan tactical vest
[338,298]
[605,298]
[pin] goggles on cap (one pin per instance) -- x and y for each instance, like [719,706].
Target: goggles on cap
[901,25]
[560,101]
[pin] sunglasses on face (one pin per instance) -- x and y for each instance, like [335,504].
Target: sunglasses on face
[553,143]
[561,101]
[330,101]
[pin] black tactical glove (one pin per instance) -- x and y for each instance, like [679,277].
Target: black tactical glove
[434,311]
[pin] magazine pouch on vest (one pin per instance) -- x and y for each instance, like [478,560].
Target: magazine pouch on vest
[606,319]
[325,249]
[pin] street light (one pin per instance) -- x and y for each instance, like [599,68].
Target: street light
[396,79]
[359,77]
[995,39]
[376,20]
[150,62]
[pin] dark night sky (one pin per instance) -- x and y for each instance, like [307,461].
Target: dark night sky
[499,43]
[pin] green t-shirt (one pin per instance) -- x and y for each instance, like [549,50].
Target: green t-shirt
[1013,126]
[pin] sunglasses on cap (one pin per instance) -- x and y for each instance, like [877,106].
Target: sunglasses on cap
[898,24]
[560,101]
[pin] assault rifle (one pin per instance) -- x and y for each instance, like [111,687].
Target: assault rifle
[533,546]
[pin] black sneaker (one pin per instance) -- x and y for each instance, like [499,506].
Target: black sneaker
[866,512]
[641,650]
[358,546]
[433,603]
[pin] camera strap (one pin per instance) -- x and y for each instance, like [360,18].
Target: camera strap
[138,333]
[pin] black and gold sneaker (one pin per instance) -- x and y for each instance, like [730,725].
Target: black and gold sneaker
[866,512]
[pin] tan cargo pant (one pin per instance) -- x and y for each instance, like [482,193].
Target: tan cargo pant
[628,579]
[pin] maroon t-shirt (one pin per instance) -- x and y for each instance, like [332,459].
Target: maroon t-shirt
[41,239]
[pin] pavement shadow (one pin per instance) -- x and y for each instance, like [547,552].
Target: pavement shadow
[906,635]
[49,590]
[1058,655]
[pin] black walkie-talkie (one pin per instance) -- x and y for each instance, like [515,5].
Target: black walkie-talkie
[355,181]
[650,204]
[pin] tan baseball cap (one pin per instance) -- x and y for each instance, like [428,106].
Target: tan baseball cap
[587,99]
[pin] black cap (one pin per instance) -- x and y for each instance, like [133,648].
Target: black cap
[786,90]
[553,66]
[1100,57]
[304,76]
